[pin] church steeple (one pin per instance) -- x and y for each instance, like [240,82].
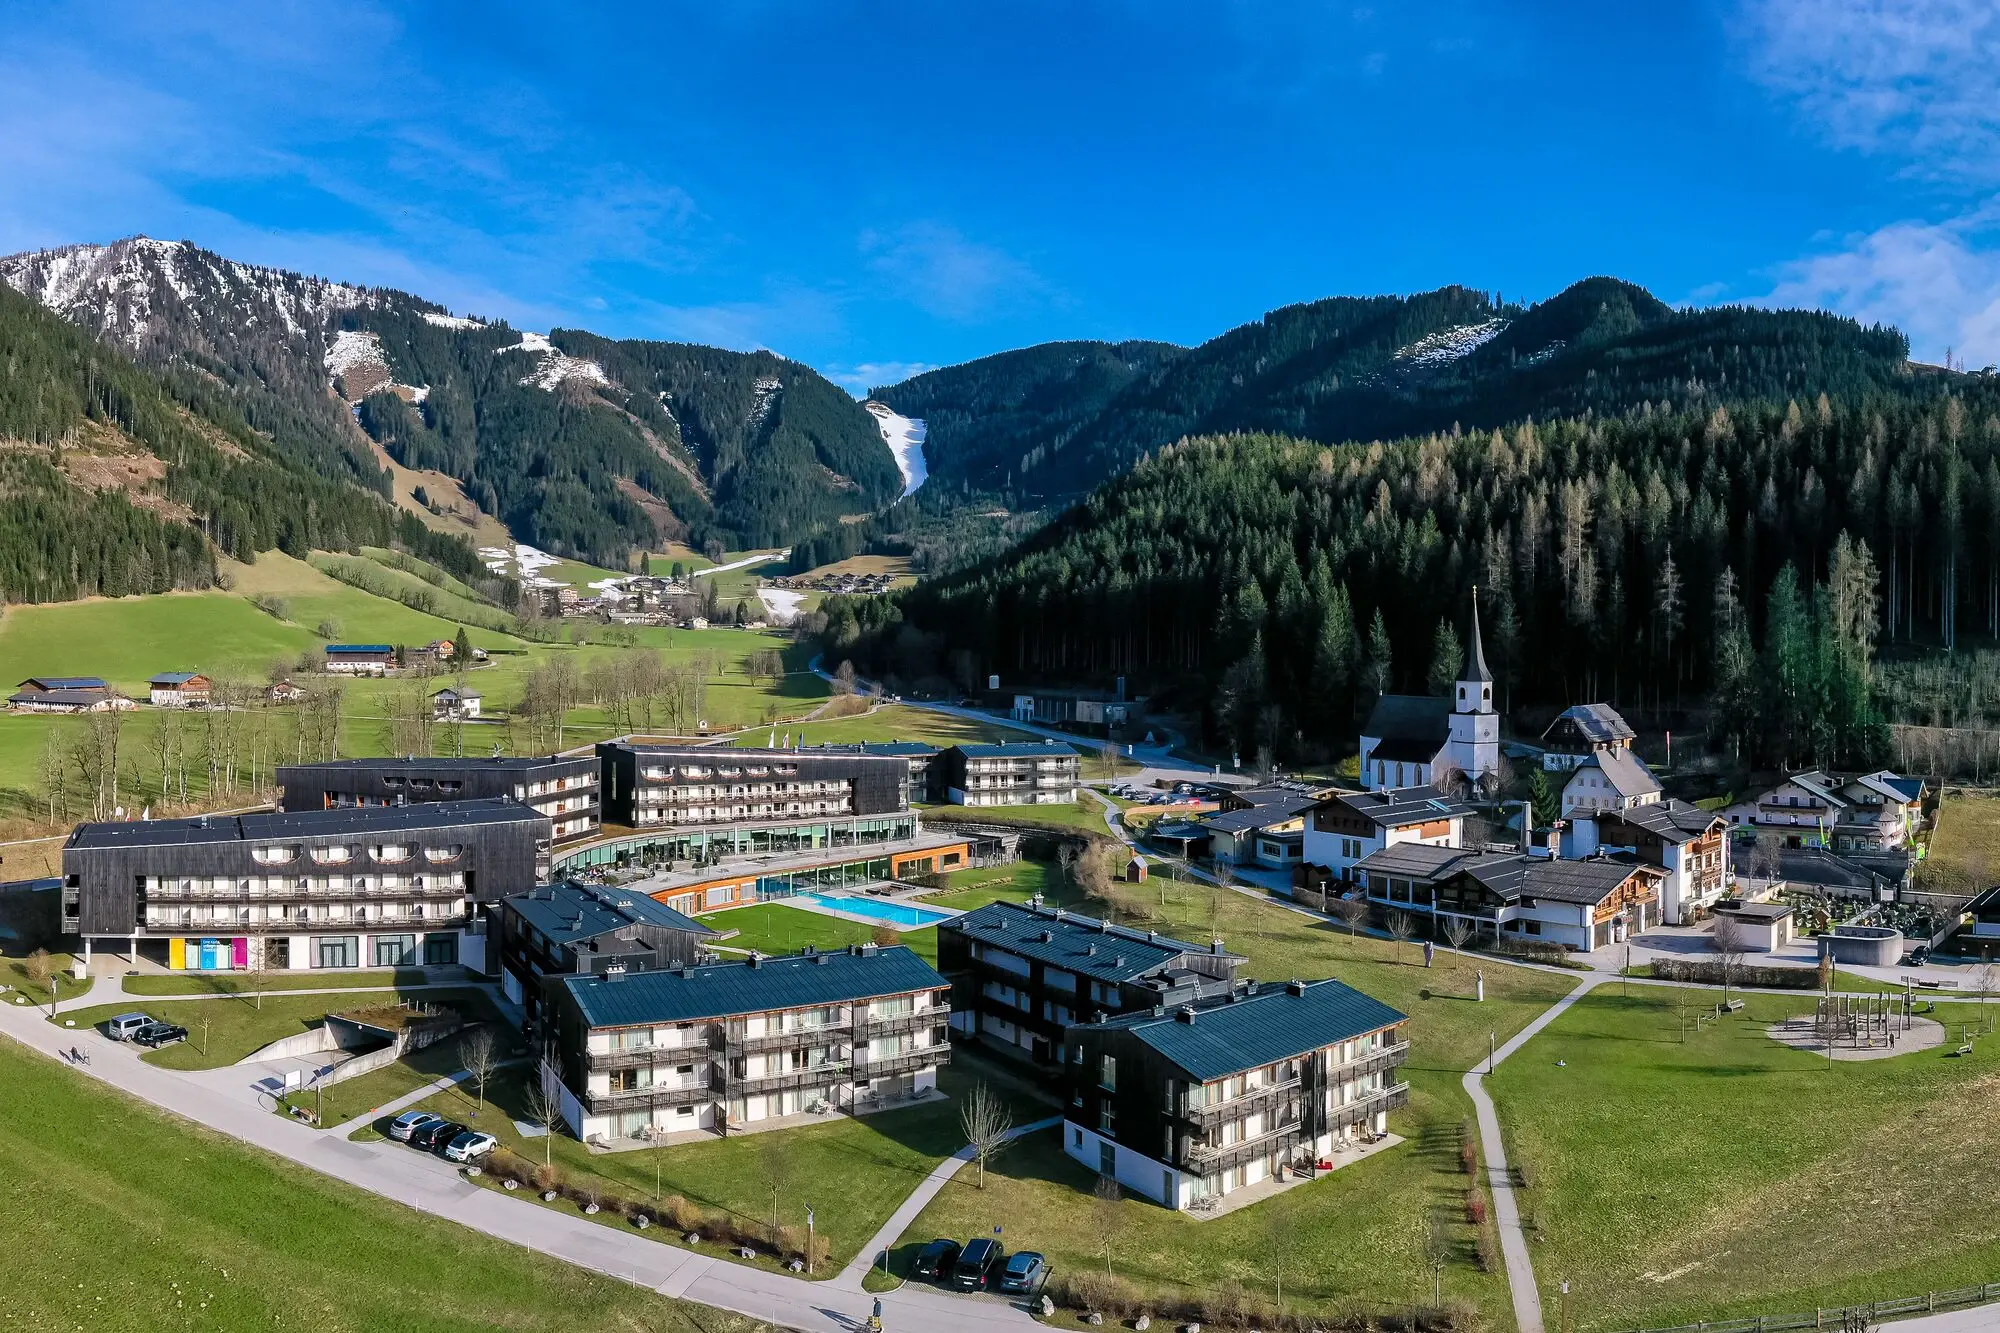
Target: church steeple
[1478,674]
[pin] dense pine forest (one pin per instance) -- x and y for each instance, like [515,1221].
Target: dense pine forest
[63,395]
[1757,555]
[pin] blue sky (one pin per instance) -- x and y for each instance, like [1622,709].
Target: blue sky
[876,188]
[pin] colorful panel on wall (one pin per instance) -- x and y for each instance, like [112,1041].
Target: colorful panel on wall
[177,953]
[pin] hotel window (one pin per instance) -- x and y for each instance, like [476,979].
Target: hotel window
[330,856]
[1107,1073]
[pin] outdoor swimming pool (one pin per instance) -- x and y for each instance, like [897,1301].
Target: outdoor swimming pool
[894,913]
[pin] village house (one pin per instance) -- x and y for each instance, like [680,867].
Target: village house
[1875,812]
[1260,826]
[1689,846]
[455,705]
[441,649]
[1609,778]
[180,689]
[1191,1102]
[283,692]
[1344,829]
[1411,740]
[1581,904]
[1579,732]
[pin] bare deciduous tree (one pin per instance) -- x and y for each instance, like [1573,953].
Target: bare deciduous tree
[986,1123]
[1732,940]
[542,1109]
[1352,912]
[257,974]
[1457,930]
[480,1055]
[1110,1216]
[1401,926]
[1437,1252]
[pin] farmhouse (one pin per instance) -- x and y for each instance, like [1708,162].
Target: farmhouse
[1263,826]
[1584,904]
[455,705]
[1609,778]
[93,684]
[1022,974]
[1195,1101]
[180,689]
[1581,731]
[369,887]
[1410,740]
[359,659]
[1688,845]
[283,692]
[1344,829]
[69,701]
[730,1045]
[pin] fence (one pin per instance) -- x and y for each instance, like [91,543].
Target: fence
[1873,1312]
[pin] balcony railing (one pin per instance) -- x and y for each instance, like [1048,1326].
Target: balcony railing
[864,1028]
[173,893]
[640,1057]
[833,1034]
[1208,1157]
[820,1076]
[905,1062]
[1374,1062]
[659,1094]
[1365,1107]
[1257,1099]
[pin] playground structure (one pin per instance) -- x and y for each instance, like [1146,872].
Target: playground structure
[1860,1022]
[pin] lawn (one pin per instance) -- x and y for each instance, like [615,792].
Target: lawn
[178,1228]
[854,1171]
[1085,816]
[236,1027]
[14,973]
[1731,1176]
[771,928]
[1353,1236]
[898,722]
[1964,855]
[235,983]
[363,1096]
[967,889]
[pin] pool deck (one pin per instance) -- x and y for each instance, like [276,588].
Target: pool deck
[797,860]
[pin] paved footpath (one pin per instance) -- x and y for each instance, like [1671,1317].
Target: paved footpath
[434,1186]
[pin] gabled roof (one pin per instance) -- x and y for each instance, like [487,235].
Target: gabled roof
[1400,807]
[457,694]
[715,990]
[1821,785]
[1268,806]
[1626,771]
[175,678]
[65,683]
[1671,820]
[1599,724]
[1418,860]
[1410,718]
[1912,788]
[571,911]
[1081,944]
[1587,882]
[1261,1025]
[1880,784]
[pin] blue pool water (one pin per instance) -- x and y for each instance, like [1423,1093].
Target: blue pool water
[894,913]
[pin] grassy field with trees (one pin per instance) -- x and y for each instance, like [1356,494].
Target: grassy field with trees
[223,1031]
[1729,1175]
[177,1227]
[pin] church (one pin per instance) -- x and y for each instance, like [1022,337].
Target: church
[1415,739]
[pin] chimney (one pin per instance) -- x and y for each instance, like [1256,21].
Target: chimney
[756,959]
[1295,988]
[616,972]
[1215,946]
[1555,841]
[1185,1014]
[1527,827]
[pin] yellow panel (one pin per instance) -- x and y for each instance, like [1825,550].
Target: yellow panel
[177,953]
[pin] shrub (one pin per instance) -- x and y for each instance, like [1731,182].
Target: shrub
[1483,1246]
[1709,972]
[1468,1156]
[548,1178]
[684,1215]
[1475,1208]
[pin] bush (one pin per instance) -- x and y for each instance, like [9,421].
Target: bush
[886,936]
[1475,1208]
[1709,972]
[548,1178]
[1489,1261]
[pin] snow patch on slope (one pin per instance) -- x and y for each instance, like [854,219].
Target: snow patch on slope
[351,349]
[453,322]
[555,367]
[905,438]
[1447,345]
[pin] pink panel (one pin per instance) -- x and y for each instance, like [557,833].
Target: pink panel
[239,952]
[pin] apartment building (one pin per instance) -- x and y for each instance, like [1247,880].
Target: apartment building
[649,786]
[1016,773]
[366,887]
[732,1045]
[561,789]
[1193,1102]
[922,761]
[570,928]
[1022,974]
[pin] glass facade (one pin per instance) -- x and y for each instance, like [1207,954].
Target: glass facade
[698,843]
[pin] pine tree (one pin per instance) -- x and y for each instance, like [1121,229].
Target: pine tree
[1447,657]
[1381,662]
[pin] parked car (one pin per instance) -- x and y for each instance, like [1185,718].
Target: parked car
[122,1027]
[473,1143]
[436,1134]
[1920,955]
[1024,1272]
[160,1034]
[935,1260]
[975,1266]
[409,1122]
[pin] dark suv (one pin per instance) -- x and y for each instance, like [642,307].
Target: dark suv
[976,1264]
[935,1260]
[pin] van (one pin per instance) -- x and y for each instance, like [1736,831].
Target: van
[975,1266]
[122,1027]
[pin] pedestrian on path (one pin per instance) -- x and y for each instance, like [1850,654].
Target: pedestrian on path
[875,1319]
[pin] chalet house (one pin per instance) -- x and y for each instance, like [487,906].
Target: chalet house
[283,692]
[1579,732]
[441,649]
[64,700]
[1689,846]
[727,1045]
[360,659]
[455,705]
[1609,778]
[1196,1101]
[1581,905]
[1014,773]
[180,689]
[1876,812]
[1343,830]
[1411,740]
[1021,974]
[1260,826]
[576,929]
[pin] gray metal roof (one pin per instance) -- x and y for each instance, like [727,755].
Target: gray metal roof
[1416,860]
[1600,724]
[683,995]
[350,820]
[1588,882]
[1271,1021]
[1410,718]
[1674,821]
[570,911]
[78,698]
[1081,944]
[1627,772]
[1269,805]
[1399,807]
[1018,750]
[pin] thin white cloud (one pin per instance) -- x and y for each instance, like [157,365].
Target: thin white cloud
[1916,78]
[942,272]
[858,380]
[1937,281]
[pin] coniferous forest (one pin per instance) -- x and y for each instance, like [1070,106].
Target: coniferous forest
[1759,555]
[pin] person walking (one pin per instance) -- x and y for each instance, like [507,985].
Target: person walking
[875,1319]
